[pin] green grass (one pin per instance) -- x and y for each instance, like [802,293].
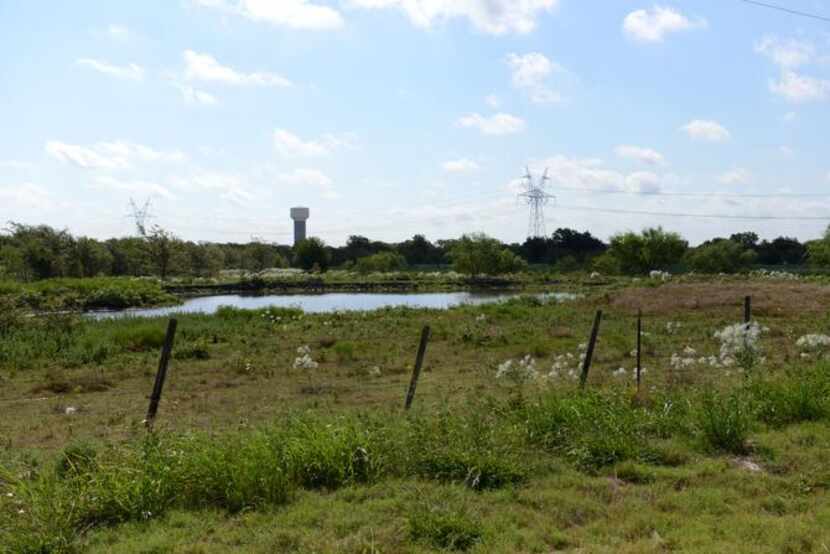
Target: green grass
[487,445]
[87,294]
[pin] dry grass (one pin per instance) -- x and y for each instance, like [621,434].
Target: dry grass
[768,299]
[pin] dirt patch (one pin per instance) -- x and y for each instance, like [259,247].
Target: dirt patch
[768,299]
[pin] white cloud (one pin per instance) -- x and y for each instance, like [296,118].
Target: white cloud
[313,178]
[655,24]
[800,88]
[109,155]
[711,131]
[293,14]
[737,176]
[786,53]
[118,32]
[24,196]
[493,101]
[204,67]
[497,124]
[790,117]
[195,96]
[15,164]
[644,155]
[229,186]
[496,17]
[461,166]
[643,182]
[290,145]
[131,72]
[107,182]
[530,72]
[786,151]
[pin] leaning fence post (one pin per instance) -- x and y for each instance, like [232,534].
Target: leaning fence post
[747,309]
[589,354]
[161,375]
[639,346]
[419,362]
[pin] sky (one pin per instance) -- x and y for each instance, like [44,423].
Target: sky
[389,118]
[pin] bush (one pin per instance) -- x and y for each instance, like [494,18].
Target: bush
[478,254]
[311,253]
[140,337]
[722,256]
[382,262]
[653,249]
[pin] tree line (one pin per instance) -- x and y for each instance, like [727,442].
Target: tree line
[29,253]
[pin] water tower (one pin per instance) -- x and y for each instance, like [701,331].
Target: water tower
[300,216]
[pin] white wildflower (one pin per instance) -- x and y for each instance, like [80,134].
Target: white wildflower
[661,275]
[305,362]
[523,371]
[813,343]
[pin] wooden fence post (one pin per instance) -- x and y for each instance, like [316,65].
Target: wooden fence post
[419,362]
[161,375]
[747,309]
[639,346]
[589,354]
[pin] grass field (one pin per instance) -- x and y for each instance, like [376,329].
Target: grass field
[260,449]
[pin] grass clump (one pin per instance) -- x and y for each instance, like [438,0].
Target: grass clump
[803,396]
[725,420]
[444,528]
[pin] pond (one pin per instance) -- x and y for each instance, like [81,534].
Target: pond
[325,303]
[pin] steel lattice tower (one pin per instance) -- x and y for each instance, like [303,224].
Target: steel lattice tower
[140,215]
[537,198]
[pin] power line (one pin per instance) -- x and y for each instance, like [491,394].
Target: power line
[700,216]
[700,194]
[786,10]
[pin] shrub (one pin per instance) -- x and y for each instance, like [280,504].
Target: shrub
[721,256]
[382,262]
[653,249]
[478,254]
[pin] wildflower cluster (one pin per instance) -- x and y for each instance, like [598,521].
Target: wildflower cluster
[304,360]
[569,365]
[740,343]
[690,358]
[523,371]
[812,344]
[775,274]
[661,275]
[672,327]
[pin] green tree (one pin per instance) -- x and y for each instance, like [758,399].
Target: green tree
[311,253]
[165,251]
[653,249]
[205,260]
[477,254]
[818,251]
[383,262]
[721,256]
[93,258]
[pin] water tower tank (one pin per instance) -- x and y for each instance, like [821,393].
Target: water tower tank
[300,216]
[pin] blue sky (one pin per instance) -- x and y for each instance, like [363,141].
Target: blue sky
[394,117]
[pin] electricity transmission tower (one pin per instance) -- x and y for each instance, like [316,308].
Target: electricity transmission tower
[536,197]
[140,215]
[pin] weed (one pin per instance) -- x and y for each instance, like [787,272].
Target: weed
[345,351]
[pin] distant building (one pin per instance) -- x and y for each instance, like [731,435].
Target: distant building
[300,216]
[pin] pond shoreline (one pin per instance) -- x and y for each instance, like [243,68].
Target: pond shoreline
[322,286]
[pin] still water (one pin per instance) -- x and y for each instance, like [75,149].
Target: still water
[324,303]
